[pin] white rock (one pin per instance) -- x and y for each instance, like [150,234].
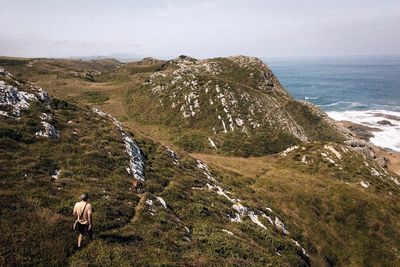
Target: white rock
[222,192]
[255,219]
[281,226]
[46,117]
[239,122]
[395,180]
[268,218]
[375,172]
[56,174]
[202,166]
[173,155]
[163,203]
[48,131]
[212,143]
[136,159]
[17,100]
[236,218]
[240,208]
[364,184]
[334,151]
[302,249]
[226,231]
[289,149]
[223,124]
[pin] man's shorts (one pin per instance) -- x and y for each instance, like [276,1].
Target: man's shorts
[82,228]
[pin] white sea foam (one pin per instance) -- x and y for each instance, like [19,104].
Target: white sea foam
[388,136]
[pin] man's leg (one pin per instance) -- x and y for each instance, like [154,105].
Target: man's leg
[90,234]
[80,240]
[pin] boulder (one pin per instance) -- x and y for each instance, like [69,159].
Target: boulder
[383,161]
[385,122]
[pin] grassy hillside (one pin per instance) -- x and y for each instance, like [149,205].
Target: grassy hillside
[42,176]
[346,211]
[318,203]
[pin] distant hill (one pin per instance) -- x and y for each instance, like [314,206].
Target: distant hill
[123,57]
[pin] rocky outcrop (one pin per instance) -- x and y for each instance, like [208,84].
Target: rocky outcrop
[14,100]
[136,159]
[48,131]
[368,150]
[362,146]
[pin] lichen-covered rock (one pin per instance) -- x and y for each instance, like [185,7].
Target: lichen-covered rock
[17,100]
[15,96]
[48,131]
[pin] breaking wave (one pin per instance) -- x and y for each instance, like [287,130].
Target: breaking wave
[388,123]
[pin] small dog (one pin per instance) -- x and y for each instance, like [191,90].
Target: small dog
[136,185]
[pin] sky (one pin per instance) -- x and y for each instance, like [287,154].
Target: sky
[202,29]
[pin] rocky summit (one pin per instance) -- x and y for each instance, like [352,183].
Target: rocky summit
[232,170]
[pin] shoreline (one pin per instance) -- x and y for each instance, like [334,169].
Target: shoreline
[365,133]
[379,127]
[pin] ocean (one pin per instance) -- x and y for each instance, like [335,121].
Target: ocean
[364,91]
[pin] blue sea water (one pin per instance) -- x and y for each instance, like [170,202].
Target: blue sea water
[364,91]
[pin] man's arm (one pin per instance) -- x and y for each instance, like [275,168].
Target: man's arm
[74,212]
[90,217]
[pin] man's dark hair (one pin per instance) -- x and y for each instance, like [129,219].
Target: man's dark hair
[85,196]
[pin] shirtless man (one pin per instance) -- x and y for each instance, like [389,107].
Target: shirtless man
[83,214]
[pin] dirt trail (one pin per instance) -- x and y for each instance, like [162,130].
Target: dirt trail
[139,207]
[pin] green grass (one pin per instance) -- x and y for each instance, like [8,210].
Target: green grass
[94,97]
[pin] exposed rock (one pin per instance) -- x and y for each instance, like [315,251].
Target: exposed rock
[15,99]
[226,231]
[136,158]
[383,161]
[363,147]
[163,203]
[12,97]
[136,162]
[173,155]
[385,122]
[48,131]
[334,151]
[212,143]
[281,226]
[364,184]
[289,149]
[46,117]
[354,130]
[56,174]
